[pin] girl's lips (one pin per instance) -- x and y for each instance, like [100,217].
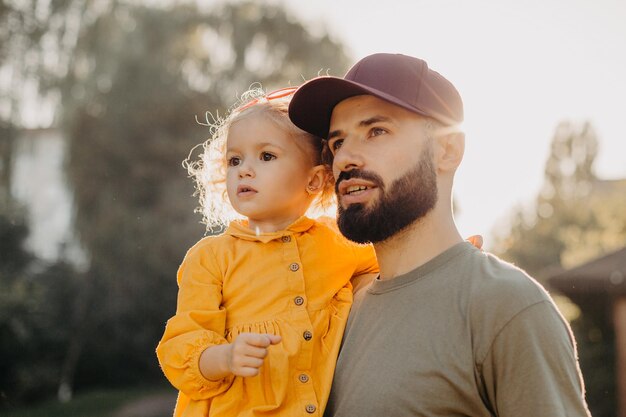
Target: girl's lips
[245,190]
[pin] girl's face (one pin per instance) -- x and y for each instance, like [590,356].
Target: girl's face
[267,173]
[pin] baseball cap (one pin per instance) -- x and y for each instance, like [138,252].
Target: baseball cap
[399,79]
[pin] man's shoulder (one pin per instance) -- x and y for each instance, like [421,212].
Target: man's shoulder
[499,291]
[492,276]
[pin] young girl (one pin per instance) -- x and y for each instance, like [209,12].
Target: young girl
[262,307]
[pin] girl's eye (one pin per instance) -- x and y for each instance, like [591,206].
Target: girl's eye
[266,156]
[233,161]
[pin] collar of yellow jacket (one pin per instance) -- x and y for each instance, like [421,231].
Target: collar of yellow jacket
[240,229]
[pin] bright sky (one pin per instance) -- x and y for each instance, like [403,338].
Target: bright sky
[521,68]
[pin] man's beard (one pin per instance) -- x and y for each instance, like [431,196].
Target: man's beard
[409,198]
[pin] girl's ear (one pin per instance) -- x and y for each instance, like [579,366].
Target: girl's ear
[317,179]
[451,149]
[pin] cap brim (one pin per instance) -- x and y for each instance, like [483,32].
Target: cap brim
[312,104]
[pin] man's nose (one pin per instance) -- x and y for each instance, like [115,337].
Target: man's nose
[347,158]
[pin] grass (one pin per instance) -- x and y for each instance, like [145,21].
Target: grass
[101,403]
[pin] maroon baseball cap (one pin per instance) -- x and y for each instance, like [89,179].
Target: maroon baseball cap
[399,79]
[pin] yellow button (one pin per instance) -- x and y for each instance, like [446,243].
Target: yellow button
[286,239]
[298,301]
[304,378]
[307,335]
[294,267]
[310,408]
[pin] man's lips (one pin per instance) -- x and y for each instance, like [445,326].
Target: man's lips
[355,190]
[354,186]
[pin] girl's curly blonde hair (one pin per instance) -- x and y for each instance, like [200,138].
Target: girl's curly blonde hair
[208,169]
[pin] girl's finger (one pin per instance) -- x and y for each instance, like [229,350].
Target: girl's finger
[247,371]
[250,362]
[255,352]
[259,340]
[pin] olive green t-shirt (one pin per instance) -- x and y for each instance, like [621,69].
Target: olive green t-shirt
[465,334]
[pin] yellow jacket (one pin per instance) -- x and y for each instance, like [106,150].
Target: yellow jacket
[294,283]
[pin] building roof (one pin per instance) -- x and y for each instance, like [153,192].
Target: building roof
[606,275]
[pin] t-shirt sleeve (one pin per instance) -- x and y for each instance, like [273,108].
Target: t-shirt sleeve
[199,323]
[531,368]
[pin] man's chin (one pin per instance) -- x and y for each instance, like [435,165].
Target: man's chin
[351,207]
[352,222]
[356,205]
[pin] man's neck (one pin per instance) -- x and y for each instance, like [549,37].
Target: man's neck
[416,245]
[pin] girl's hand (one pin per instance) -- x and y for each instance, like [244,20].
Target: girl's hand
[476,240]
[247,352]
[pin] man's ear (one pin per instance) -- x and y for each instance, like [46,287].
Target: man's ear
[317,179]
[450,153]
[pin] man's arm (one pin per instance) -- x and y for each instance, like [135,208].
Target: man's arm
[532,367]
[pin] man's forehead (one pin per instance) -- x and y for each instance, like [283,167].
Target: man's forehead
[355,110]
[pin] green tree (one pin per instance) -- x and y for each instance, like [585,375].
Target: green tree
[14,260]
[576,217]
[573,218]
[33,309]
[36,39]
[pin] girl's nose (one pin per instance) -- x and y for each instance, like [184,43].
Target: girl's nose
[246,170]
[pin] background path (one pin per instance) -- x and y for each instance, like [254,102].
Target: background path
[153,405]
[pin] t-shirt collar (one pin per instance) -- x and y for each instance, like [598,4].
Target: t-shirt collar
[381,286]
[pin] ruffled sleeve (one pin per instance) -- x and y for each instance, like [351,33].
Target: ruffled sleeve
[366,262]
[364,255]
[199,323]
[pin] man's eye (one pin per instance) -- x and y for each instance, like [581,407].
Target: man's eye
[234,161]
[377,131]
[335,145]
[266,156]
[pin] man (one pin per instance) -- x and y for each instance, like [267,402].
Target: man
[446,330]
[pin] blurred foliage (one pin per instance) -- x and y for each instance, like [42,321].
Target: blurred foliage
[33,310]
[129,80]
[14,296]
[576,218]
[7,133]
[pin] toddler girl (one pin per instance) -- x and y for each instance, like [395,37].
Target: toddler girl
[261,307]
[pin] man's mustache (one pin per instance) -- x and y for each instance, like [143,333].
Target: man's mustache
[358,173]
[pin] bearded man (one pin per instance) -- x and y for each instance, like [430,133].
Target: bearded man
[447,329]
